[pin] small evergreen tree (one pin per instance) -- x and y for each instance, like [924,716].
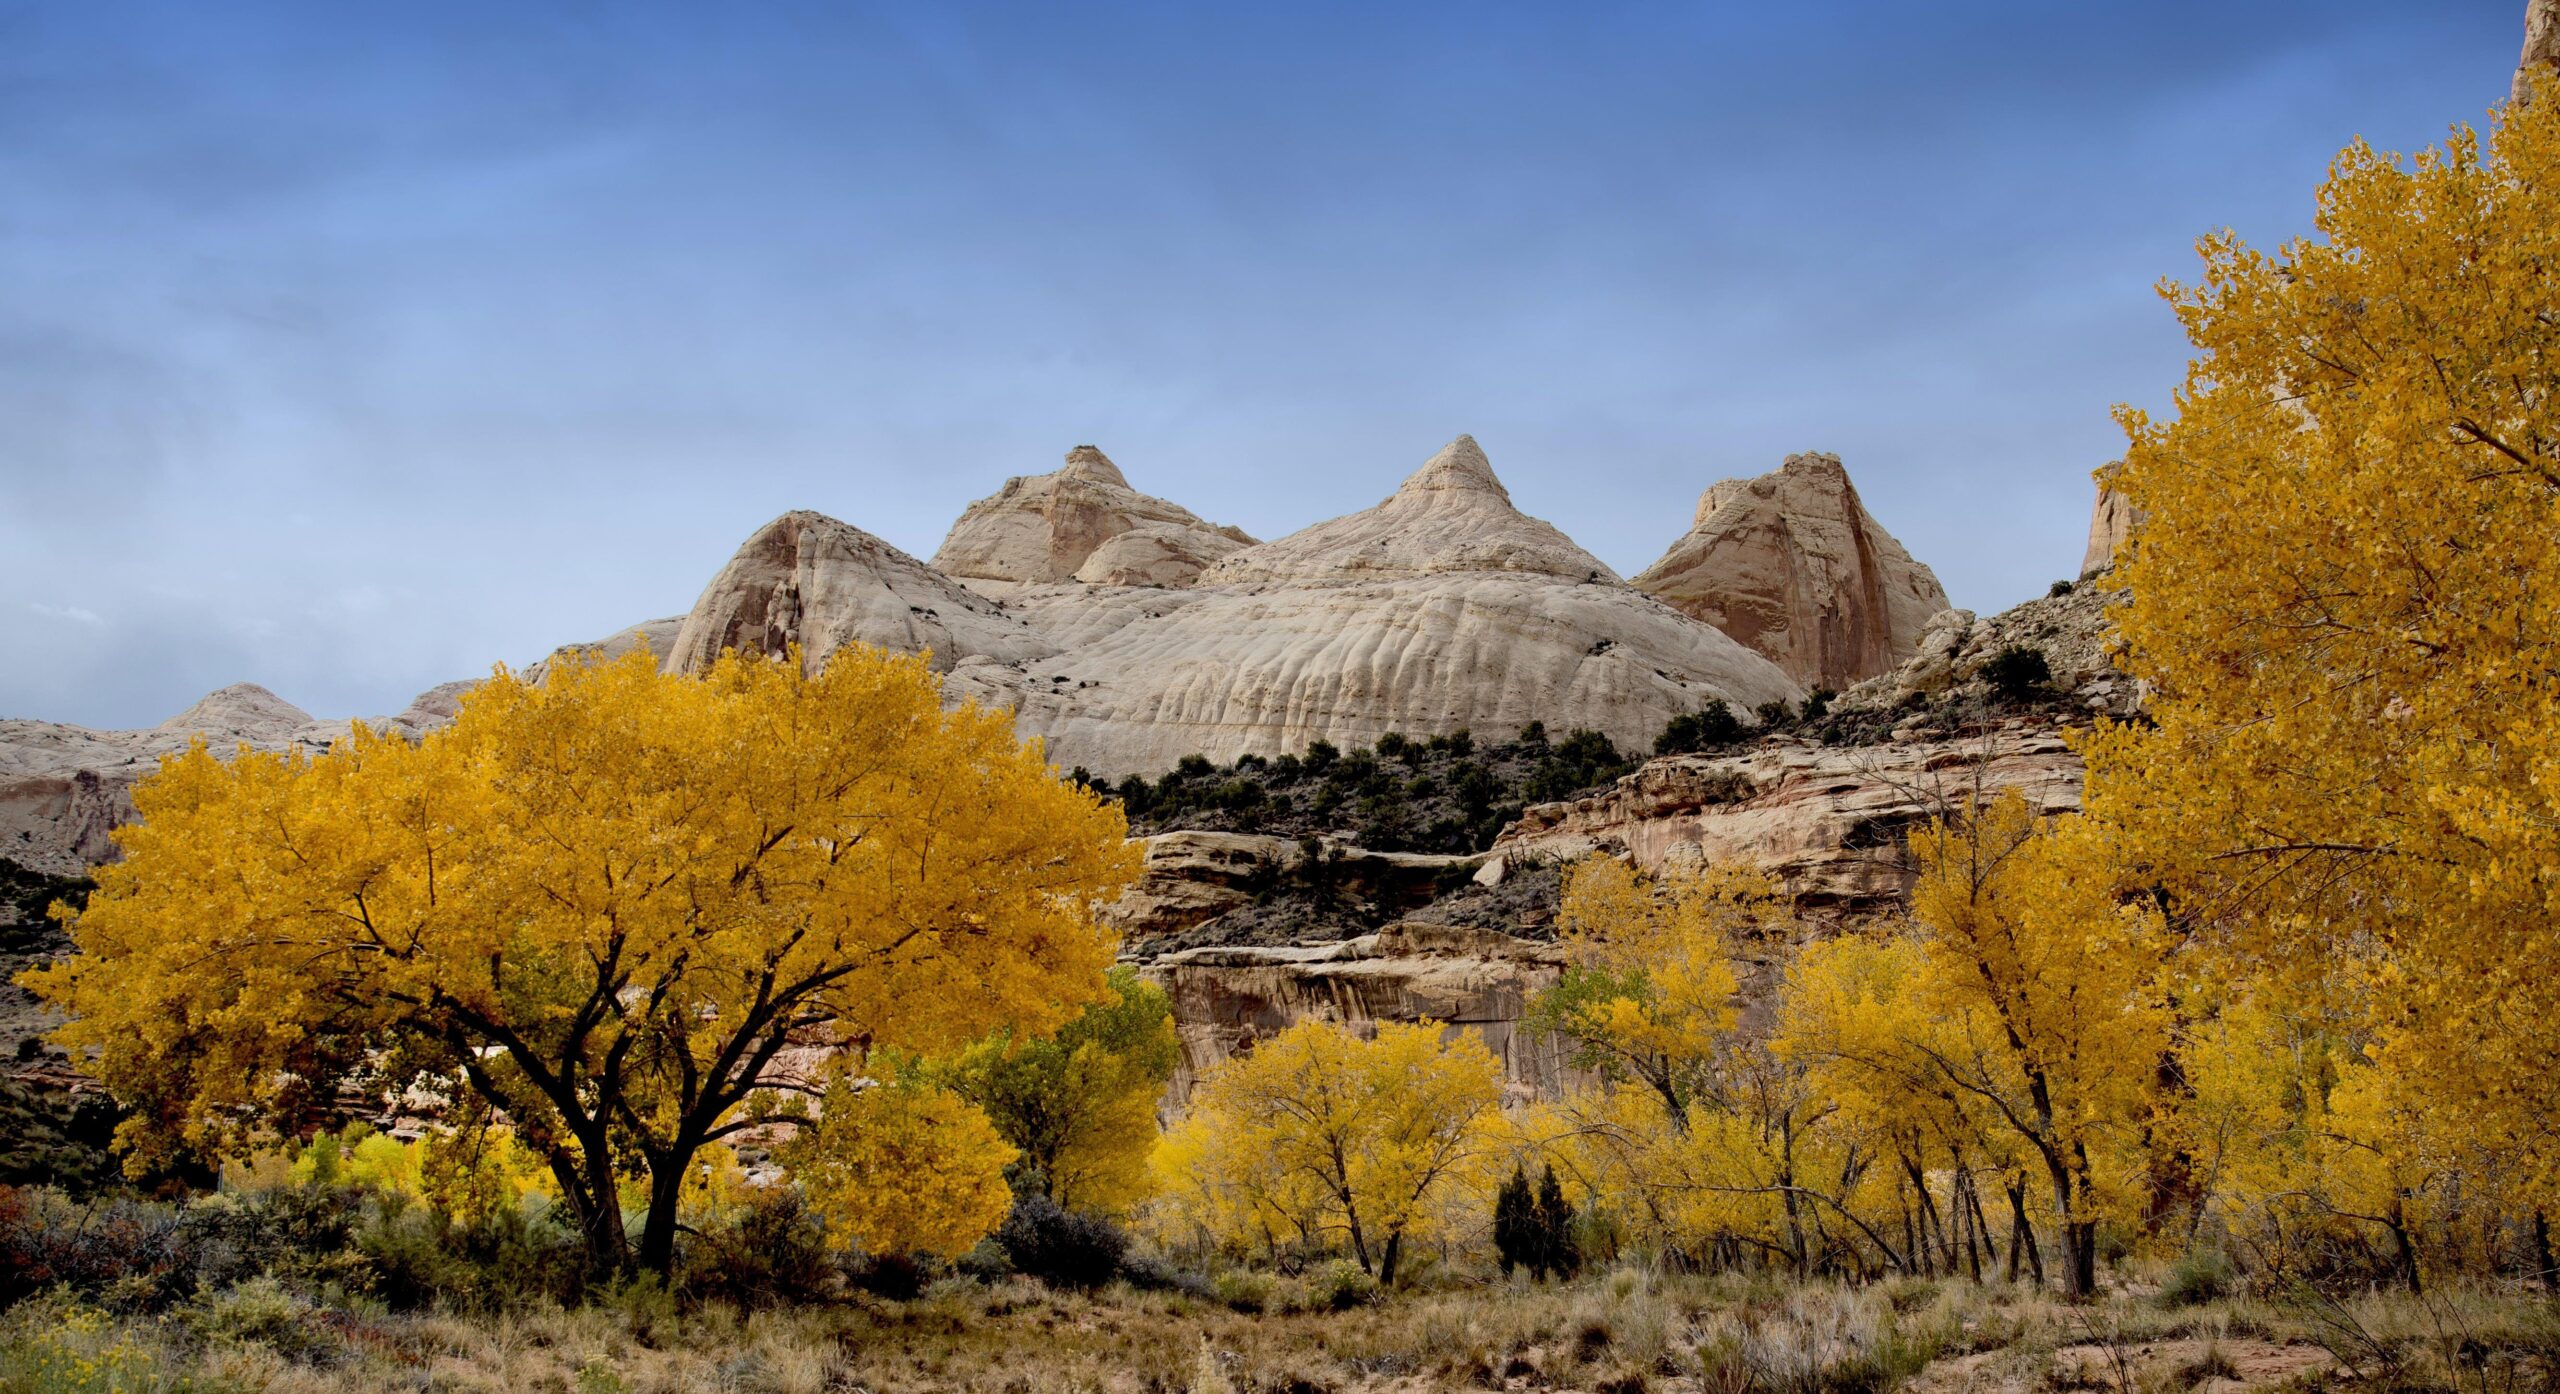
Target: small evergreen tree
[1553,1223]
[1515,1222]
[2017,673]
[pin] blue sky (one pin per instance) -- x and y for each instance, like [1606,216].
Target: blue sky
[349,350]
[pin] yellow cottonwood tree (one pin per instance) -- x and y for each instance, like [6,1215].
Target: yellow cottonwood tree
[2053,984]
[2345,599]
[603,905]
[1321,1129]
[1080,1105]
[1650,993]
[1729,1154]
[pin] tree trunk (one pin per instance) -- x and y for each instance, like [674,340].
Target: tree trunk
[2026,1234]
[598,1205]
[1387,1260]
[2404,1251]
[658,1231]
[2542,1253]
[2080,1242]
[2079,1237]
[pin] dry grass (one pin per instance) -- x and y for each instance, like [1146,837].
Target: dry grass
[1621,1331]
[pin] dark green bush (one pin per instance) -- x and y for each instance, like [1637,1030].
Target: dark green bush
[1059,1246]
[1711,727]
[2017,673]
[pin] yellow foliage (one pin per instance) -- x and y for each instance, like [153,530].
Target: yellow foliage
[1081,1105]
[2344,598]
[1651,991]
[903,1168]
[1317,1132]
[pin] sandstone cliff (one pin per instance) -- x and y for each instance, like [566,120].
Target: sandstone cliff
[1792,564]
[1828,821]
[1224,999]
[1081,522]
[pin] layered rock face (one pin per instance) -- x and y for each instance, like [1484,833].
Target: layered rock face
[1828,821]
[1792,565]
[1082,523]
[1193,877]
[1472,981]
[1443,608]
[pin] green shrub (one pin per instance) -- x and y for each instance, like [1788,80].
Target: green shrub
[1243,1291]
[1342,1285]
[261,1312]
[2202,1274]
[1711,727]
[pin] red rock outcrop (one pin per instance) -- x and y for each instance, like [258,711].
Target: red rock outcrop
[1792,565]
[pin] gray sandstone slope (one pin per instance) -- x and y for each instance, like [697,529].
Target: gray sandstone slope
[1081,522]
[1444,608]
[1792,565]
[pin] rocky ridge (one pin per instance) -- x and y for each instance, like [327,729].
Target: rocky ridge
[1443,608]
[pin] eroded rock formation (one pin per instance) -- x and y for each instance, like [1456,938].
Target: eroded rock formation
[1792,564]
[1081,522]
[2111,521]
[2541,41]
[1443,608]
[807,579]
